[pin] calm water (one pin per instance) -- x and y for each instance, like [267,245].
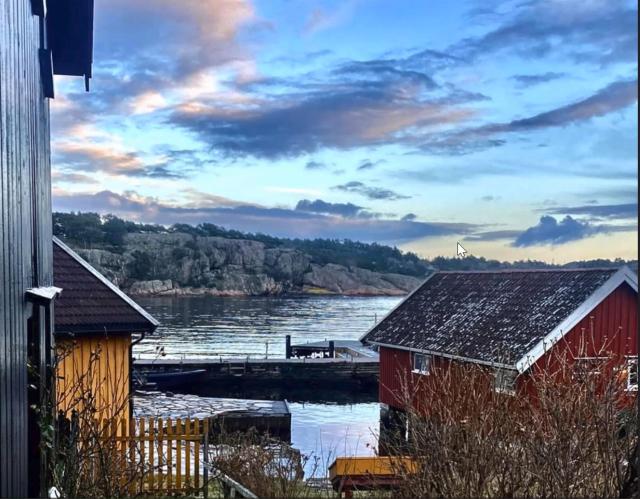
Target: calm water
[324,431]
[236,327]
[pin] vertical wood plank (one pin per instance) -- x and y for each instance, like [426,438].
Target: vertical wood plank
[196,454]
[152,444]
[179,433]
[187,455]
[123,446]
[169,432]
[162,457]
[132,456]
[140,469]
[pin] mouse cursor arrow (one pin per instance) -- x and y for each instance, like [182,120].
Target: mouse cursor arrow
[461,251]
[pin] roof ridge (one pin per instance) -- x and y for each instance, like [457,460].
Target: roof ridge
[531,271]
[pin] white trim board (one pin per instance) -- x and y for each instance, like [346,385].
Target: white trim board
[446,355]
[106,282]
[623,275]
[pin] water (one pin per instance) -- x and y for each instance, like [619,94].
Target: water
[323,432]
[255,326]
[237,327]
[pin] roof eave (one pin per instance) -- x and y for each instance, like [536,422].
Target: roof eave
[152,320]
[623,275]
[462,358]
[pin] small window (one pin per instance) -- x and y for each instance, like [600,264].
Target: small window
[632,374]
[504,381]
[421,363]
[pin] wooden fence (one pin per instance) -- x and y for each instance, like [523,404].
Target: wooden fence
[160,454]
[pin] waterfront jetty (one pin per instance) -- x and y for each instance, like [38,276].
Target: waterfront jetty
[271,417]
[342,349]
[225,376]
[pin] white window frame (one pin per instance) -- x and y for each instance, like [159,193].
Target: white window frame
[498,375]
[427,361]
[632,364]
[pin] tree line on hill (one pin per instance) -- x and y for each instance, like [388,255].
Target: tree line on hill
[91,230]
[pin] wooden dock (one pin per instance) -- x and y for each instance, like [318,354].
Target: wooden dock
[341,349]
[271,417]
[223,376]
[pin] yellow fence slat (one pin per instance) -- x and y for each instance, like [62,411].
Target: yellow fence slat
[178,453]
[196,454]
[152,463]
[169,454]
[187,454]
[155,455]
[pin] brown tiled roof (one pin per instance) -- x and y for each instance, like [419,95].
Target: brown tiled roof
[89,303]
[487,316]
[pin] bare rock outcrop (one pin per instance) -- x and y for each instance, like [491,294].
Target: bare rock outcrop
[184,264]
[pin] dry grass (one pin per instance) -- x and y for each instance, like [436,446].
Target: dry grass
[574,439]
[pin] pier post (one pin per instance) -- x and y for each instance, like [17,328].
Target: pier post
[287,347]
[332,349]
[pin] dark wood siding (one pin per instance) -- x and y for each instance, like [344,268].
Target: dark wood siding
[610,329]
[25,224]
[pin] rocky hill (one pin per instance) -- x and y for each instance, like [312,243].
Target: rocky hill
[207,259]
[186,264]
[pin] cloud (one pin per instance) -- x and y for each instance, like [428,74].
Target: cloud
[614,97]
[549,231]
[252,218]
[348,105]
[356,114]
[71,177]
[409,217]
[107,157]
[496,235]
[321,19]
[315,165]
[529,80]
[626,210]
[370,192]
[595,32]
[368,164]
[319,206]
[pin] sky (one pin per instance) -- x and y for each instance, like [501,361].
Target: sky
[510,127]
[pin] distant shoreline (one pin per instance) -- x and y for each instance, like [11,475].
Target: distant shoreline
[188,293]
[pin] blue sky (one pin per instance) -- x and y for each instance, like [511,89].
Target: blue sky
[508,126]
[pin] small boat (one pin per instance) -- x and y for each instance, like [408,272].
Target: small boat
[173,379]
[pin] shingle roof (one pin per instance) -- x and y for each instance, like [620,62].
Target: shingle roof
[89,303]
[487,316]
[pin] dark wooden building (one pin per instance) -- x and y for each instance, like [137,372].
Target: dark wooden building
[511,322]
[37,39]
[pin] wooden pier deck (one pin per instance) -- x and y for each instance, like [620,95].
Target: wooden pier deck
[358,372]
[266,416]
[344,349]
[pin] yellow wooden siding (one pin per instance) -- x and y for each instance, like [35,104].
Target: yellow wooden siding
[93,373]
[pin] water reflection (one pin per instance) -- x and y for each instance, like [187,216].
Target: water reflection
[252,326]
[324,431]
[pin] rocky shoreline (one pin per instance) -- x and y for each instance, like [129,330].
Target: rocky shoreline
[180,264]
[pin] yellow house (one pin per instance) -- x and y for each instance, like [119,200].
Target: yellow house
[96,326]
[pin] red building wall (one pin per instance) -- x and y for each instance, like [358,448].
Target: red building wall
[610,329]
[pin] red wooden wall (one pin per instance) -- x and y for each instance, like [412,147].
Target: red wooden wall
[611,329]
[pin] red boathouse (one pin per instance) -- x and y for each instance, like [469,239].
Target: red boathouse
[512,322]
